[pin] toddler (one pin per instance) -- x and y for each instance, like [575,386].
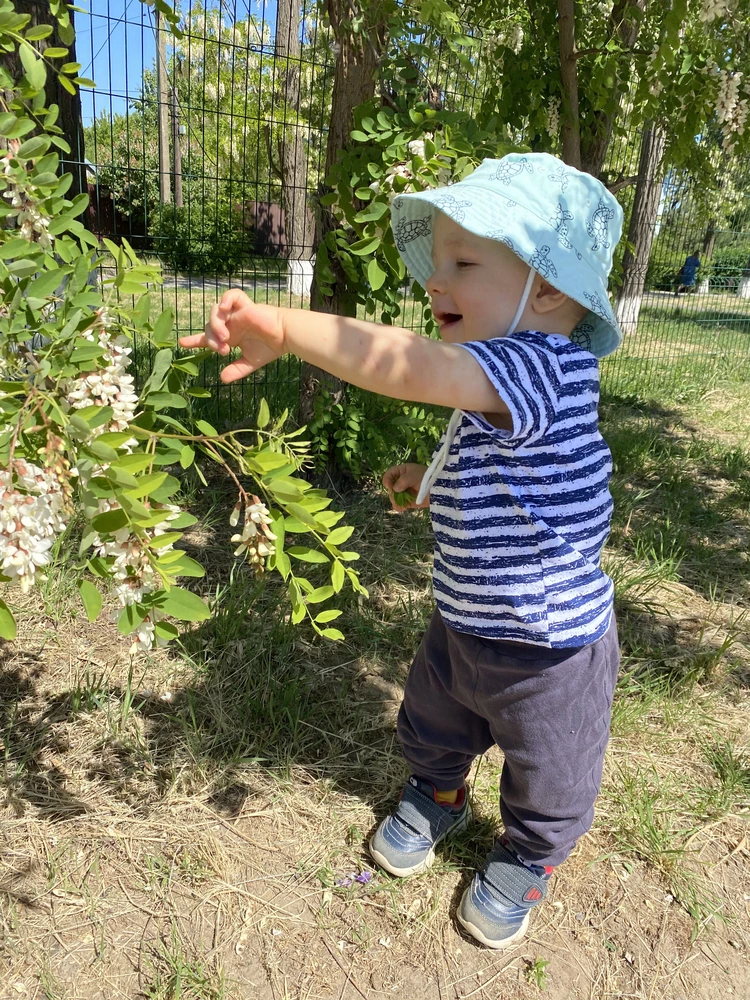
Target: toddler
[522,647]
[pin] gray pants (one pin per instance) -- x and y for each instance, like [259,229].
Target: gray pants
[547,709]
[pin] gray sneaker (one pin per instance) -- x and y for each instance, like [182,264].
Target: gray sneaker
[405,841]
[495,907]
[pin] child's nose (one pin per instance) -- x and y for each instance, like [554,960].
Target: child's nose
[434,284]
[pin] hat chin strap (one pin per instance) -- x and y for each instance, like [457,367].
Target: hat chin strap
[441,457]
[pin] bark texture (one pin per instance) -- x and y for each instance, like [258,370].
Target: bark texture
[69,118]
[292,149]
[571,125]
[624,26]
[357,59]
[641,228]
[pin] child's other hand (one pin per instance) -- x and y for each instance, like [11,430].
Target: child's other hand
[407,478]
[236,321]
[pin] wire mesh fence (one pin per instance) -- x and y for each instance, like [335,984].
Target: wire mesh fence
[183,140]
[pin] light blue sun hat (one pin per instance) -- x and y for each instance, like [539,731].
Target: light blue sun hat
[562,222]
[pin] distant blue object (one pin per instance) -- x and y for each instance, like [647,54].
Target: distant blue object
[689,270]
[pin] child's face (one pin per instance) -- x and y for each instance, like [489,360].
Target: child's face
[477,283]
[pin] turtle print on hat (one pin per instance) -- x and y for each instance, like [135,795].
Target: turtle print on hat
[507,171]
[560,177]
[547,213]
[500,236]
[452,207]
[597,228]
[597,306]
[411,229]
[582,335]
[540,262]
[560,221]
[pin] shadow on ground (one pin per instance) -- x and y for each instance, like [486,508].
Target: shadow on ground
[258,691]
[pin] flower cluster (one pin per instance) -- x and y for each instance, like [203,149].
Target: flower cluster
[32,223]
[133,572]
[110,385]
[713,9]
[255,542]
[731,110]
[32,514]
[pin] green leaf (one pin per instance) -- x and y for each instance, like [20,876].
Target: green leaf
[36,146]
[183,566]
[337,576]
[36,74]
[332,633]
[166,631]
[264,414]
[109,521]
[7,622]
[134,463]
[102,451]
[320,594]
[183,520]
[166,400]
[302,514]
[130,618]
[375,275]
[162,336]
[91,598]
[45,285]
[187,456]
[168,538]
[305,554]
[205,428]
[148,485]
[327,616]
[159,371]
[38,32]
[14,248]
[339,535]
[184,605]
[363,247]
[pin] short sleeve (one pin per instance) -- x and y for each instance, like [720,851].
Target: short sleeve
[527,378]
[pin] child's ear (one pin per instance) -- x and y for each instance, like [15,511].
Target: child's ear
[547,298]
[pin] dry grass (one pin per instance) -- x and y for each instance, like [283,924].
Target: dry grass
[181,827]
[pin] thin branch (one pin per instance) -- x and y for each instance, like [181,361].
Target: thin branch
[620,183]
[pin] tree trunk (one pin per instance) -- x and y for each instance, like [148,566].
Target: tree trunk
[709,240]
[69,119]
[571,125]
[641,229]
[298,226]
[595,142]
[357,59]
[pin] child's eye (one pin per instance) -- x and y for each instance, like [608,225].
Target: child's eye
[464,263]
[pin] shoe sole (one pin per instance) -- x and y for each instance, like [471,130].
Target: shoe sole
[427,861]
[489,942]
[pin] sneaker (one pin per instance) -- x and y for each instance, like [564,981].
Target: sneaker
[405,841]
[495,907]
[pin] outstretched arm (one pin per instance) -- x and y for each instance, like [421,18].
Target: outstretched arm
[385,359]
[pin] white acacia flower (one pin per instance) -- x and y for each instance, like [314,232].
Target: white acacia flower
[32,514]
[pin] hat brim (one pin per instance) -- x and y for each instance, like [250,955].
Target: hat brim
[492,215]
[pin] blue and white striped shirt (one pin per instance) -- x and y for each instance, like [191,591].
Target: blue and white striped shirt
[520,516]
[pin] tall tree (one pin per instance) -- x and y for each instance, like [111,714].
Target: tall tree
[292,165]
[67,98]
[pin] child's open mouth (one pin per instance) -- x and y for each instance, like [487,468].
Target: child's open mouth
[445,320]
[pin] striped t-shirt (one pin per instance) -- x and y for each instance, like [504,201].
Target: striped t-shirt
[520,516]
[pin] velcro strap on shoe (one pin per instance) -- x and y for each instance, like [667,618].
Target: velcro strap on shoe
[423,814]
[506,874]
